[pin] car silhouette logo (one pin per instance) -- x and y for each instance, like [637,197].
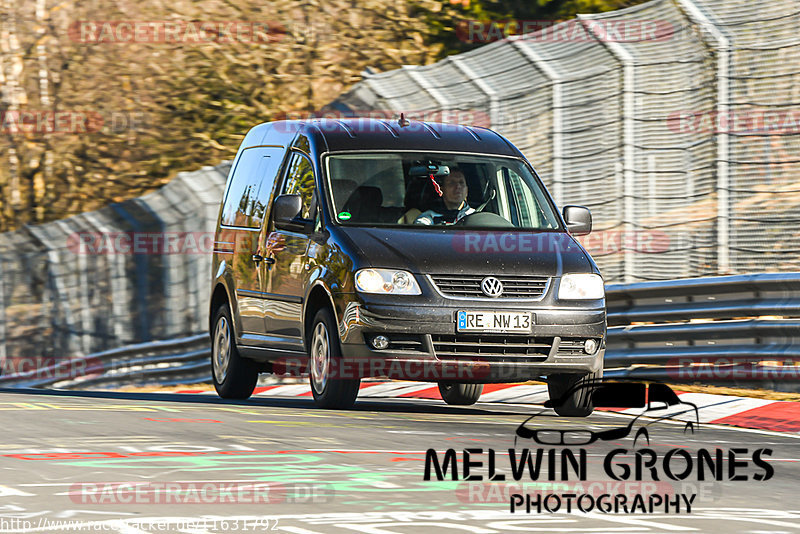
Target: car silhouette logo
[492,287]
[615,394]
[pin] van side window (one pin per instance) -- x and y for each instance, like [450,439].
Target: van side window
[527,218]
[529,213]
[300,181]
[251,187]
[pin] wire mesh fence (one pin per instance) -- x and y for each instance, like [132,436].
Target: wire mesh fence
[675,121]
[128,273]
[682,139]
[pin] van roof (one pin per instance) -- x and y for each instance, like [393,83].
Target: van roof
[335,135]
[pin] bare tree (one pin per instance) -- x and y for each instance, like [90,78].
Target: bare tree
[165,106]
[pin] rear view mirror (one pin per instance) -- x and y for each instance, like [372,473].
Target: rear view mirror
[578,219]
[427,169]
[286,212]
[287,208]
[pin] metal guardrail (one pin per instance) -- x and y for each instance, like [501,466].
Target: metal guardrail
[734,330]
[178,360]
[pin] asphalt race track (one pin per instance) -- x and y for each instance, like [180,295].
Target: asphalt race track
[137,463]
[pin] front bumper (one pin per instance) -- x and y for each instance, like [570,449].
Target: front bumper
[428,348]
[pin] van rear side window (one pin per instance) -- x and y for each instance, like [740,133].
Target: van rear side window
[251,186]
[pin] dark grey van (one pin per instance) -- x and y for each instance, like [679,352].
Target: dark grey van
[360,247]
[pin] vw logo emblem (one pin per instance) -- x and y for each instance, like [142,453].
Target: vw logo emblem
[492,287]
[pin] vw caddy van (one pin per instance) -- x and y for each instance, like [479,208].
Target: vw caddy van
[358,248]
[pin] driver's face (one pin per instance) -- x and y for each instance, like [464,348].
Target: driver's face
[454,190]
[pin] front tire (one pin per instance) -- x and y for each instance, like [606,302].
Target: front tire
[460,394]
[579,401]
[234,377]
[329,388]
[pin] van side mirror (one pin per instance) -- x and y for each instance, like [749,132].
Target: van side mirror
[578,219]
[286,213]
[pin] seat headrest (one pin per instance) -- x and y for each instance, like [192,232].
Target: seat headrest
[342,189]
[366,194]
[364,204]
[422,195]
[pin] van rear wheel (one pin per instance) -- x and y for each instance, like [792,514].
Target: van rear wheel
[234,377]
[460,394]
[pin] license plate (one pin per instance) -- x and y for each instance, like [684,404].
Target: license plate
[494,321]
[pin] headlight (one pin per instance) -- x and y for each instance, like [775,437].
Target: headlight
[581,286]
[387,281]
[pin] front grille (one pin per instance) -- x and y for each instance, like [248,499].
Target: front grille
[477,346]
[469,286]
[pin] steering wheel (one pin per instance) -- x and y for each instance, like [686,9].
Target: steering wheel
[491,220]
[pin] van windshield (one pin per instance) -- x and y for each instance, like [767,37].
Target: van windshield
[436,189]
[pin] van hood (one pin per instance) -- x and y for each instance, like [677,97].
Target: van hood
[483,252]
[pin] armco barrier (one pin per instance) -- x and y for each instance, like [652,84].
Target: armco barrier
[733,330]
[737,330]
[180,360]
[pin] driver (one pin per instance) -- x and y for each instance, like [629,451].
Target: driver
[454,196]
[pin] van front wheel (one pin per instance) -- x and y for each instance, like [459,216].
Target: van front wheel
[460,394]
[576,387]
[328,385]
